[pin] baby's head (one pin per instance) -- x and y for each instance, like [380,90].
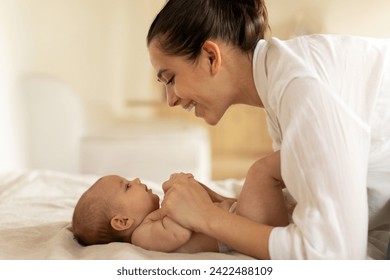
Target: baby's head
[111,209]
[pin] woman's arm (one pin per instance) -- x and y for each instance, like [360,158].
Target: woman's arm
[160,233]
[324,157]
[188,203]
[242,234]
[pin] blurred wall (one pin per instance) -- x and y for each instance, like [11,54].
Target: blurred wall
[97,47]
[11,59]
[358,17]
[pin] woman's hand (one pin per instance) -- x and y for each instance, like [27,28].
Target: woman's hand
[186,201]
[190,205]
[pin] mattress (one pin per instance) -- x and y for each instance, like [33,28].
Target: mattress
[36,208]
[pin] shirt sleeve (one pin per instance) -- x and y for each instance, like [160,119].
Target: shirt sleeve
[324,158]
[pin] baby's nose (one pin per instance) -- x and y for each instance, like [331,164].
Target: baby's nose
[137,181]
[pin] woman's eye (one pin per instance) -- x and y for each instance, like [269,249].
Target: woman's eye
[171,81]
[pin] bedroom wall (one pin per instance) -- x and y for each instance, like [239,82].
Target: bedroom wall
[358,17]
[88,45]
[95,47]
[11,133]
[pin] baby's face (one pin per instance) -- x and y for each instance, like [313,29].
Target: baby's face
[132,197]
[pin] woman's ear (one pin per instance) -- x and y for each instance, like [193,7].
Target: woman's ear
[120,222]
[213,53]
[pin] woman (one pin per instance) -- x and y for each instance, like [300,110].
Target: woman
[326,99]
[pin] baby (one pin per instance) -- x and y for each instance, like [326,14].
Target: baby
[114,209]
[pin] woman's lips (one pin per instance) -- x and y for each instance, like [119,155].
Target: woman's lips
[191,106]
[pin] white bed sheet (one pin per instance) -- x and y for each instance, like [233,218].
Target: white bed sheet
[35,215]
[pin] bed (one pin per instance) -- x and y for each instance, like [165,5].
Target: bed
[35,213]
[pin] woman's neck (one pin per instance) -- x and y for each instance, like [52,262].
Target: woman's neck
[242,70]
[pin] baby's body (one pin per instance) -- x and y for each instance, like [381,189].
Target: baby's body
[115,209]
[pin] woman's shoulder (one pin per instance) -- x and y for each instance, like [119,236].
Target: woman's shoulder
[334,40]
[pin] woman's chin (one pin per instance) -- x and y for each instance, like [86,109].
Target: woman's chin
[212,123]
[211,119]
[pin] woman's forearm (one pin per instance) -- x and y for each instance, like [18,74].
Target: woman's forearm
[245,236]
[189,204]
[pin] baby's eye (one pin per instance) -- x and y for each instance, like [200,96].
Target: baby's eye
[128,186]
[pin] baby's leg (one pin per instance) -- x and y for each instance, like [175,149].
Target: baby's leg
[262,198]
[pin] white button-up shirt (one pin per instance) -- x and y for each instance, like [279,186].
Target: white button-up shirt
[327,99]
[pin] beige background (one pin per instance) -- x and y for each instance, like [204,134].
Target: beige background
[97,47]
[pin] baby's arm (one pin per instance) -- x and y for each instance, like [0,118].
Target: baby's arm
[160,233]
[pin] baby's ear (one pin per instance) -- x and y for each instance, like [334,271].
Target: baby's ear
[120,222]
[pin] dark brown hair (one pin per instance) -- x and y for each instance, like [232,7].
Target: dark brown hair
[182,26]
[91,222]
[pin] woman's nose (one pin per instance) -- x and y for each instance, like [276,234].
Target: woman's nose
[172,98]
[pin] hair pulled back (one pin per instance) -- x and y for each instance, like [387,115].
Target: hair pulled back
[182,26]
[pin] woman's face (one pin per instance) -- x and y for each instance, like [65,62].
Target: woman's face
[196,84]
